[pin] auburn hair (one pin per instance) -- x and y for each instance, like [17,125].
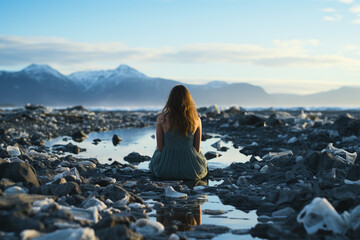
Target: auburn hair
[181,109]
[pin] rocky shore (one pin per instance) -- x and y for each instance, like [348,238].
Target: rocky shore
[303,178]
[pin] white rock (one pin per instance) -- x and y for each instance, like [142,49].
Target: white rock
[15,190]
[321,215]
[70,234]
[122,202]
[93,202]
[273,155]
[173,236]
[91,214]
[29,234]
[147,227]
[136,205]
[13,160]
[264,169]
[13,151]
[87,164]
[73,171]
[62,169]
[341,154]
[171,193]
[292,140]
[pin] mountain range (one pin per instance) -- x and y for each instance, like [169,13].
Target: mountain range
[127,87]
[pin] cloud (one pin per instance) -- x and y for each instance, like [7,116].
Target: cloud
[334,18]
[59,52]
[346,1]
[356,21]
[355,9]
[328,10]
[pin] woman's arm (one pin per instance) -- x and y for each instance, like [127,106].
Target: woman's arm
[159,132]
[197,137]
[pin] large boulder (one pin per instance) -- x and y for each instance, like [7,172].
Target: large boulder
[19,172]
[317,161]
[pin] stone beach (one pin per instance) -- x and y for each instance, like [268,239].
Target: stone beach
[298,159]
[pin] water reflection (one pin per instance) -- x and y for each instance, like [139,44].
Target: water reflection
[184,216]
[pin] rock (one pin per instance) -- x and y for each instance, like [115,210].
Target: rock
[283,213]
[9,202]
[71,148]
[273,121]
[253,120]
[71,172]
[242,181]
[211,154]
[5,183]
[148,228]
[354,173]
[292,140]
[213,212]
[86,163]
[321,215]
[136,158]
[15,190]
[112,221]
[171,193]
[68,188]
[116,140]
[33,107]
[209,228]
[90,214]
[79,136]
[264,169]
[316,161]
[217,145]
[14,151]
[19,172]
[18,222]
[212,111]
[70,234]
[94,202]
[116,193]
[118,232]
[341,154]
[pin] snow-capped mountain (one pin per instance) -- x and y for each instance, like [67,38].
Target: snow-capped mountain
[89,80]
[41,71]
[125,86]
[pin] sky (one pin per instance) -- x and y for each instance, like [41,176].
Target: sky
[284,46]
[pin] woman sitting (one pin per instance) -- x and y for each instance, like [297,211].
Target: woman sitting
[178,137]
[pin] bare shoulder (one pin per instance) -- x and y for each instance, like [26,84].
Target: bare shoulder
[198,122]
[160,119]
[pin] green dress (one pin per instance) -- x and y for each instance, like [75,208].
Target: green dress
[178,159]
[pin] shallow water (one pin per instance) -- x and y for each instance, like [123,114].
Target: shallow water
[141,140]
[193,207]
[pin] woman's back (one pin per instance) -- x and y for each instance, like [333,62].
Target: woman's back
[178,158]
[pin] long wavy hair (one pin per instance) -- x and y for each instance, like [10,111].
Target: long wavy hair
[182,111]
